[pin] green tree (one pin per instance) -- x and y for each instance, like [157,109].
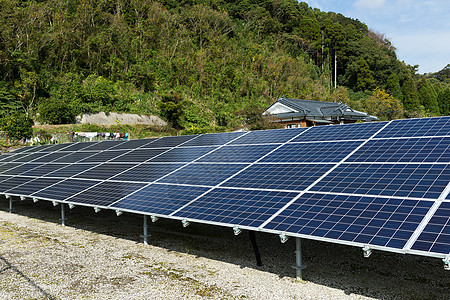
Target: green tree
[427,96]
[410,99]
[55,111]
[364,79]
[444,102]
[393,86]
[17,125]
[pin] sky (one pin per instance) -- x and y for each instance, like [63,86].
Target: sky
[419,29]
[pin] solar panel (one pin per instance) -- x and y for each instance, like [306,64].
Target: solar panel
[160,199]
[404,150]
[64,189]
[295,177]
[215,139]
[32,186]
[147,172]
[104,171]
[236,206]
[378,221]
[312,152]
[269,136]
[402,180]
[436,235]
[382,185]
[105,193]
[417,127]
[238,154]
[203,174]
[359,131]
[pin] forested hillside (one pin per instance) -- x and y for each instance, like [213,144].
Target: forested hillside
[203,65]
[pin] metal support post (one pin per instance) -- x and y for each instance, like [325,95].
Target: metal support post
[299,267]
[146,235]
[63,214]
[10,204]
[255,248]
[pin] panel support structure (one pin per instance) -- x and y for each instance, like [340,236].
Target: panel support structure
[255,248]
[145,235]
[63,214]
[299,267]
[10,204]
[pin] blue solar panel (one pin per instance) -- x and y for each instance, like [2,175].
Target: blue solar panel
[13,182]
[105,193]
[43,169]
[104,145]
[182,154]
[312,152]
[103,156]
[368,220]
[269,136]
[19,169]
[169,141]
[215,139]
[436,235]
[160,198]
[74,157]
[402,180]
[50,157]
[238,154]
[77,146]
[340,132]
[278,176]
[133,144]
[7,166]
[104,171]
[203,174]
[416,127]
[147,172]
[64,189]
[70,170]
[33,186]
[404,150]
[236,207]
[12,158]
[29,157]
[139,155]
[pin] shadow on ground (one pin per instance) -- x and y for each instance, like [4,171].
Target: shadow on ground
[332,265]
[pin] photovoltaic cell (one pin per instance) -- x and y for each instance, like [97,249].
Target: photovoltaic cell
[30,157]
[215,139]
[182,154]
[104,145]
[103,156]
[269,136]
[416,127]
[139,155]
[12,158]
[64,189]
[33,186]
[312,152]
[238,154]
[50,157]
[104,171]
[105,193]
[402,180]
[340,132]
[147,172]
[368,220]
[404,150]
[160,198]
[13,182]
[77,146]
[436,235]
[70,170]
[278,176]
[203,174]
[236,207]
[7,166]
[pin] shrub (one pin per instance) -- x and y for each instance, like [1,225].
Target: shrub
[54,111]
[17,126]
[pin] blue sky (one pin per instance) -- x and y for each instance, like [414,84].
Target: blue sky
[420,30]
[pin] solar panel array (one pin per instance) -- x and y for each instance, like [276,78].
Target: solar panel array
[382,185]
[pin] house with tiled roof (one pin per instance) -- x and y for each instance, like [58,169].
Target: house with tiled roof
[305,113]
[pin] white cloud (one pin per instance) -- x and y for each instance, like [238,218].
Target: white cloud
[369,4]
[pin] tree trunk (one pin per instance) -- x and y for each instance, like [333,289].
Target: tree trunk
[335,69]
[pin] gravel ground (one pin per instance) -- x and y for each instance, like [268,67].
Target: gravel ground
[100,256]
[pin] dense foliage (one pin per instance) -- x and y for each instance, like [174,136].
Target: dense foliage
[199,63]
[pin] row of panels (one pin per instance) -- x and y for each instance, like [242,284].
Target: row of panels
[427,127]
[427,150]
[400,180]
[386,222]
